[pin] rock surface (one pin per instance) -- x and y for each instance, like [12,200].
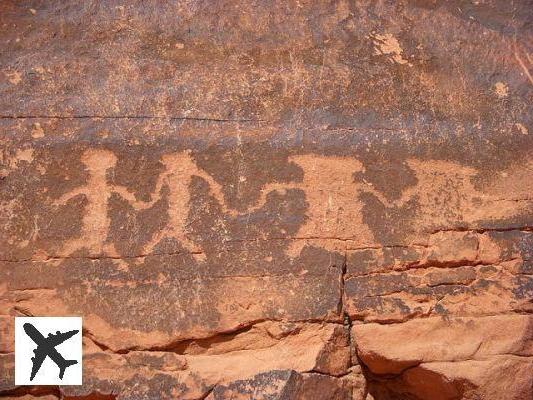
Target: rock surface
[271,200]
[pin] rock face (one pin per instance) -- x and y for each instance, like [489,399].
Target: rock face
[271,200]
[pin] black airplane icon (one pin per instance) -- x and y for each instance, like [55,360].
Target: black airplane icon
[46,347]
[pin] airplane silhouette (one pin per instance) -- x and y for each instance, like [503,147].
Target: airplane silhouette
[46,347]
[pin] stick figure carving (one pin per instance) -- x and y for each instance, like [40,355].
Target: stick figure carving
[334,212]
[179,170]
[95,221]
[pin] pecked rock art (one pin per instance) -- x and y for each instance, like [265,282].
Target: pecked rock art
[179,170]
[328,185]
[331,198]
[447,195]
[341,208]
[329,266]
[277,200]
[444,194]
[95,221]
[334,212]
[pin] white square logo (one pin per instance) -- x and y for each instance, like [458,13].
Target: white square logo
[48,351]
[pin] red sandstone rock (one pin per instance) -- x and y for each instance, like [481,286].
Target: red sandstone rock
[271,200]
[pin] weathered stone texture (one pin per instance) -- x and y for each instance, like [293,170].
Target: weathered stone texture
[271,199]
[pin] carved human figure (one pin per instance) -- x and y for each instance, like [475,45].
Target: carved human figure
[95,221]
[334,214]
[179,171]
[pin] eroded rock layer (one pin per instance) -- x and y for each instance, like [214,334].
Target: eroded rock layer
[271,200]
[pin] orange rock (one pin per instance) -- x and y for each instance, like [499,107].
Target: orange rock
[271,199]
[390,349]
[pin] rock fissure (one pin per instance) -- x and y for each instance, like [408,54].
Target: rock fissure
[321,200]
[126,117]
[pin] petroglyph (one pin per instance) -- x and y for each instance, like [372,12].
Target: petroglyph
[179,170]
[444,193]
[95,221]
[299,200]
[387,44]
[334,214]
[501,90]
[13,77]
